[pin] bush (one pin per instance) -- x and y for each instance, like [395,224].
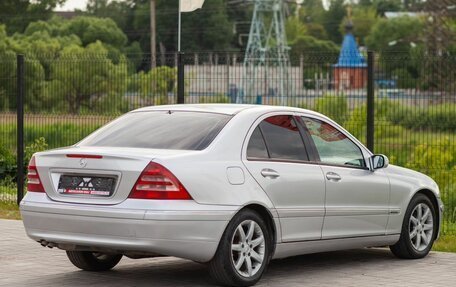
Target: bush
[37,146]
[333,106]
[437,118]
[7,164]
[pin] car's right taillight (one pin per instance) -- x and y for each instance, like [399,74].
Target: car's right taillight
[157,182]
[33,178]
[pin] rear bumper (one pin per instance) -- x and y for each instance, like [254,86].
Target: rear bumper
[179,228]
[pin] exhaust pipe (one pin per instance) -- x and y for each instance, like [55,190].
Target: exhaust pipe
[44,243]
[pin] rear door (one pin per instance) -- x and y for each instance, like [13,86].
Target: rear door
[357,199]
[276,157]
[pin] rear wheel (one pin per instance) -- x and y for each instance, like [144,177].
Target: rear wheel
[93,261]
[418,229]
[243,252]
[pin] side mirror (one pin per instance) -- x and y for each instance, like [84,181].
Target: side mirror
[379,161]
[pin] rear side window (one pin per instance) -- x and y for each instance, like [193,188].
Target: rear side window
[257,147]
[160,130]
[283,138]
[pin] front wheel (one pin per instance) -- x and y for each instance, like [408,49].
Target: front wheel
[418,229]
[243,252]
[93,261]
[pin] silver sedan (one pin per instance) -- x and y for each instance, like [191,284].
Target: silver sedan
[233,186]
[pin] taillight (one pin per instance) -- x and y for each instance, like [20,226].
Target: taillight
[33,178]
[157,182]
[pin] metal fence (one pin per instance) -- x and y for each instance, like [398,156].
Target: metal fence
[399,104]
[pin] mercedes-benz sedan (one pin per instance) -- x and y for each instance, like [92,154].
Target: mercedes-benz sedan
[233,186]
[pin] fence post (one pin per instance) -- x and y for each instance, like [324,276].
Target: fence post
[370,101]
[20,127]
[180,78]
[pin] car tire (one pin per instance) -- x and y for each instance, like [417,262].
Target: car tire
[93,261]
[417,235]
[230,265]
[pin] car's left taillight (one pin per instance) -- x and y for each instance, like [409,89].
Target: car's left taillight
[34,183]
[157,182]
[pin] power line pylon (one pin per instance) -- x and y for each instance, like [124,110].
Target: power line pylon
[266,56]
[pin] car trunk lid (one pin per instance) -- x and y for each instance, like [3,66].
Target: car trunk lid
[94,175]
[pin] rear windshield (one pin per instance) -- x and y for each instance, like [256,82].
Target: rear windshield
[160,130]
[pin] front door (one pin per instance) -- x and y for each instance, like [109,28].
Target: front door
[357,198]
[277,158]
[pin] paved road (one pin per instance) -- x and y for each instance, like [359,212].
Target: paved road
[25,263]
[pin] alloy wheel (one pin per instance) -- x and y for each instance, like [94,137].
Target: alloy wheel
[421,226]
[248,248]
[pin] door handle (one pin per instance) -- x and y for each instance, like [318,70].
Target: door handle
[333,176]
[270,173]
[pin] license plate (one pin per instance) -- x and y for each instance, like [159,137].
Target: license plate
[86,185]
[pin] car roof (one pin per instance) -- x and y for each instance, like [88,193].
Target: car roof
[228,109]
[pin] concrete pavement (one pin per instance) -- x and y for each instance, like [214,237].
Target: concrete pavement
[24,262]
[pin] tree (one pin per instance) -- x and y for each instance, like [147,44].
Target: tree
[294,29]
[91,29]
[154,86]
[383,6]
[396,35]
[17,14]
[121,12]
[305,43]
[399,41]
[84,78]
[205,29]
[7,72]
[332,19]
[363,20]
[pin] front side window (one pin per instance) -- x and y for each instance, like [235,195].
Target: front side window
[283,138]
[333,146]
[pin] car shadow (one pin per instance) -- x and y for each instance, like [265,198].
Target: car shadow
[169,271]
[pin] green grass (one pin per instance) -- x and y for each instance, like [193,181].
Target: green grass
[9,210]
[446,243]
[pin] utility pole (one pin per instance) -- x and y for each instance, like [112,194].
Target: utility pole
[439,14]
[153,36]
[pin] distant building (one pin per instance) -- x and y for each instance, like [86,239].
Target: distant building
[67,14]
[390,15]
[350,72]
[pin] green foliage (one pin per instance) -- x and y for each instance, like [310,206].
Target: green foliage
[332,19]
[305,43]
[363,18]
[36,146]
[333,106]
[294,29]
[204,29]
[356,122]
[395,35]
[91,30]
[7,164]
[436,118]
[57,134]
[154,86]
[438,160]
[16,14]
[383,6]
[80,84]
